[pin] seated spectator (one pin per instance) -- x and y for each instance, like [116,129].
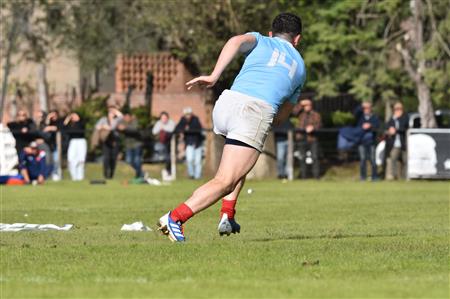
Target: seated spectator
[369,123]
[191,129]
[32,164]
[132,141]
[281,140]
[163,130]
[76,153]
[309,122]
[23,130]
[395,152]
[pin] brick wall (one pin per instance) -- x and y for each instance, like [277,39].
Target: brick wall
[169,91]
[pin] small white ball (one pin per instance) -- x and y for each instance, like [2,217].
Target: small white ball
[26,215]
[249,191]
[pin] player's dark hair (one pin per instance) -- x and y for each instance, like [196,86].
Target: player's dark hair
[287,24]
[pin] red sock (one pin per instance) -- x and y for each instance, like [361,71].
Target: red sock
[182,213]
[228,208]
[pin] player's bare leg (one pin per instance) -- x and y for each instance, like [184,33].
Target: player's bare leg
[236,162]
[235,194]
[227,223]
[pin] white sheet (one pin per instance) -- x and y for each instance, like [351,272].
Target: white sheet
[138,226]
[16,227]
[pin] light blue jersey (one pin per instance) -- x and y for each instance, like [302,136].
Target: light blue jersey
[273,71]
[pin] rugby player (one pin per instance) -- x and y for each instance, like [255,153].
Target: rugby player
[265,91]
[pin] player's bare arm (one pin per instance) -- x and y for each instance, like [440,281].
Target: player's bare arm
[237,44]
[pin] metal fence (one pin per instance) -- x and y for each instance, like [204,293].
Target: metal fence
[327,140]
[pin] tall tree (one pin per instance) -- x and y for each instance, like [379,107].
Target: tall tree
[25,23]
[12,19]
[417,31]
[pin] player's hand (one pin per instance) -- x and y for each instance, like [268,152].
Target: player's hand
[207,81]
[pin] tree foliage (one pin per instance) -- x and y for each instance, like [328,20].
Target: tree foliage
[349,46]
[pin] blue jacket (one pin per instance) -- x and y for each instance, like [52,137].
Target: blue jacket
[35,164]
[368,136]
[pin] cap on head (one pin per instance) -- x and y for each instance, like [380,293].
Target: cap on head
[187,110]
[33,144]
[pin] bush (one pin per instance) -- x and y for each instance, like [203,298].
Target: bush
[340,118]
[91,110]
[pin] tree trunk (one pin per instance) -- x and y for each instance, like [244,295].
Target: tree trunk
[13,103]
[426,110]
[387,110]
[12,36]
[42,87]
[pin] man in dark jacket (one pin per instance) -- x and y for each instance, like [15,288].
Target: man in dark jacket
[309,121]
[396,143]
[191,129]
[23,129]
[107,125]
[369,123]
[48,126]
[132,141]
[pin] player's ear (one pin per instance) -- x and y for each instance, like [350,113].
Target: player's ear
[270,34]
[297,40]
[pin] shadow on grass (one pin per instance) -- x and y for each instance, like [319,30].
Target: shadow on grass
[327,236]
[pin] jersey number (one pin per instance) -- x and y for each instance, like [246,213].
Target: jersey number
[280,58]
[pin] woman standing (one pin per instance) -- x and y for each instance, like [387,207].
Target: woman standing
[76,154]
[110,147]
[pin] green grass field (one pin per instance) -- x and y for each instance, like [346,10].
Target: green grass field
[300,239]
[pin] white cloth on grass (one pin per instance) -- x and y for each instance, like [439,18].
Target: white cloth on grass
[15,227]
[138,226]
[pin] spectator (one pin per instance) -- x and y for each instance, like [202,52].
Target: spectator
[132,142]
[281,141]
[76,154]
[32,164]
[396,143]
[110,146]
[23,130]
[191,129]
[42,141]
[48,126]
[369,123]
[163,130]
[309,123]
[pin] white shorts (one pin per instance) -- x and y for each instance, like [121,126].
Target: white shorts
[243,118]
